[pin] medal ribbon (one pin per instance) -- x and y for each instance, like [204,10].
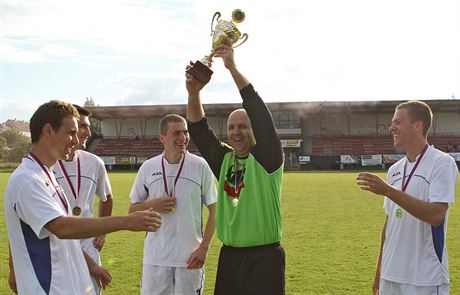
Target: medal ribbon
[236,188]
[67,178]
[62,198]
[404,185]
[165,181]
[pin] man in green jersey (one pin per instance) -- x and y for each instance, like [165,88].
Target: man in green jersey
[250,171]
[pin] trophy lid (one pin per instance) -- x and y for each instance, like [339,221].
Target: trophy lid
[238,15]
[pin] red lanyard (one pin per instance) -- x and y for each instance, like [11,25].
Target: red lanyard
[404,185]
[67,178]
[62,198]
[165,181]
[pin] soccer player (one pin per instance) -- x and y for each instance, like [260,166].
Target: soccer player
[82,177]
[418,191]
[250,172]
[42,232]
[176,184]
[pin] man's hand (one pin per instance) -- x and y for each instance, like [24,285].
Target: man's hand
[371,182]
[99,242]
[147,220]
[101,276]
[165,204]
[193,85]
[12,282]
[197,259]
[225,51]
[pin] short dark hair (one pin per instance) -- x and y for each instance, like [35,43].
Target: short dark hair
[418,111]
[168,119]
[52,112]
[82,111]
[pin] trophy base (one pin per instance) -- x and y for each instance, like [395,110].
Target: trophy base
[201,72]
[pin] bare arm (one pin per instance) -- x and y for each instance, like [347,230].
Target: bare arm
[376,284]
[12,276]
[70,227]
[432,213]
[100,274]
[198,257]
[105,209]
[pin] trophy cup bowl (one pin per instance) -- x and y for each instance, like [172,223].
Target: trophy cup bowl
[201,70]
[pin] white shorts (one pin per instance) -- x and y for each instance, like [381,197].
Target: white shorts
[392,288]
[165,280]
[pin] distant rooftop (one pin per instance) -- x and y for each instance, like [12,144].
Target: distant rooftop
[310,107]
[17,125]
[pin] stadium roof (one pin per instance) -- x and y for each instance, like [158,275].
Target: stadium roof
[306,108]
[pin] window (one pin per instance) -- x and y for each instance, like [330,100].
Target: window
[286,119]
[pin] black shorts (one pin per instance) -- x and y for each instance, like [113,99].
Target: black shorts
[251,270]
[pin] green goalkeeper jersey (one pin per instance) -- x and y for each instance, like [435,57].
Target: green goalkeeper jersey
[249,191]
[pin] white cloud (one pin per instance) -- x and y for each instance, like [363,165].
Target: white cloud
[297,50]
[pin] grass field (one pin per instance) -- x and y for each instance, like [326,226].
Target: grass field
[331,237]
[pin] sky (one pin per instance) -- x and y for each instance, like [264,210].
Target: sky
[134,52]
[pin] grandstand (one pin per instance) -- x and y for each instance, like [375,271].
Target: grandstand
[314,134]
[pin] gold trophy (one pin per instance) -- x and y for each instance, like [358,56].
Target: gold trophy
[201,70]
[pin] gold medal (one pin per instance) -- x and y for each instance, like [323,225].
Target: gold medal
[76,211]
[235,202]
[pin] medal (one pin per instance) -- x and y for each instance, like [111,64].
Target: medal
[399,213]
[76,211]
[235,202]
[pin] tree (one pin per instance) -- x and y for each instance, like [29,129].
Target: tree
[3,148]
[13,145]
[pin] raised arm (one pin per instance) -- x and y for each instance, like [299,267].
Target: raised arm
[262,123]
[195,111]
[208,144]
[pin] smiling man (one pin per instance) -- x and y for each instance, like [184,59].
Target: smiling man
[176,184]
[250,173]
[45,252]
[82,177]
[418,191]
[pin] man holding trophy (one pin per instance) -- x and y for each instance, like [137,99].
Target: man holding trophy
[250,172]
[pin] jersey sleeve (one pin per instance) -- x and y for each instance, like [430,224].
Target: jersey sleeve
[268,150]
[139,191]
[36,205]
[442,186]
[103,183]
[208,189]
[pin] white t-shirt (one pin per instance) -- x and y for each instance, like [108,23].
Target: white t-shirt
[43,263]
[414,252]
[181,231]
[93,181]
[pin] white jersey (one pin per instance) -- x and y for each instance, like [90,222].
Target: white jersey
[93,181]
[181,231]
[414,252]
[43,263]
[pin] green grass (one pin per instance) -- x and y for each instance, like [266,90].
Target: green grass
[331,237]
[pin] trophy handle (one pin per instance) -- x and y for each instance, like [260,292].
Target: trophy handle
[214,17]
[244,38]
